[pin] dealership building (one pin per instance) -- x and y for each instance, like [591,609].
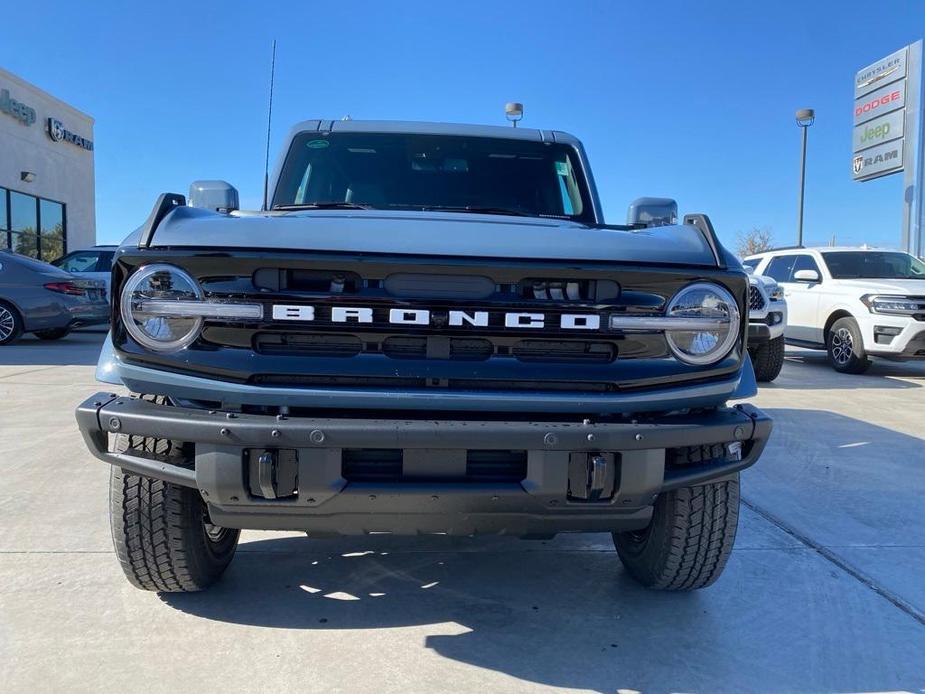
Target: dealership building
[47,205]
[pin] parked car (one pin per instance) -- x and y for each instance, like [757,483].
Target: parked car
[430,330]
[767,317]
[852,302]
[94,263]
[38,298]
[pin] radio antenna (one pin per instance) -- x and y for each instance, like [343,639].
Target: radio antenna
[266,162]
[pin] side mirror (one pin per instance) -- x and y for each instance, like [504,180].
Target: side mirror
[219,196]
[652,212]
[806,276]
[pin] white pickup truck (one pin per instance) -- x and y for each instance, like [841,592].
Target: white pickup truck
[852,302]
[767,318]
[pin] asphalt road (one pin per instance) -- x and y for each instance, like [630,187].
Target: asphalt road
[824,591]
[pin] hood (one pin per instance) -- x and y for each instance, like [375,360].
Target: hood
[885,286]
[430,233]
[763,280]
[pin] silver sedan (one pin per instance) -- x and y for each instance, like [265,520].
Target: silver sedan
[38,298]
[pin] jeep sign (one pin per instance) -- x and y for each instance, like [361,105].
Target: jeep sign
[879,130]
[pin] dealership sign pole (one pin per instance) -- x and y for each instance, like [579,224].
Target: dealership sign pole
[888,132]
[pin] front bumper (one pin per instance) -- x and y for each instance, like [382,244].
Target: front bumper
[325,503]
[905,341]
[767,325]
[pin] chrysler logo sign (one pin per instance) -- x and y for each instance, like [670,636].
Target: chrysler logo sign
[58,133]
[426,317]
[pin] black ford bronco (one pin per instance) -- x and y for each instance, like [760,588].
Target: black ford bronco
[428,329]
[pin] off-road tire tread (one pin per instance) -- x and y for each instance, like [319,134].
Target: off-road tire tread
[768,359]
[155,526]
[692,534]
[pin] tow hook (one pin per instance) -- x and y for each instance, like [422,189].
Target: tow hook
[591,476]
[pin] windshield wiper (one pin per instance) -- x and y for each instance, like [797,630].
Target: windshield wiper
[477,210]
[331,205]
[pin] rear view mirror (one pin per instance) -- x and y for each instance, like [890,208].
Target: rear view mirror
[806,276]
[219,196]
[652,212]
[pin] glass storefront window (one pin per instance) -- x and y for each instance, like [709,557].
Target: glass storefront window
[51,215]
[23,212]
[3,220]
[25,243]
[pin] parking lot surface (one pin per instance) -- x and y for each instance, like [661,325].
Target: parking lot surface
[824,591]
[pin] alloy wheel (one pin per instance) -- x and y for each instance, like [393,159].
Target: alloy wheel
[842,346]
[7,323]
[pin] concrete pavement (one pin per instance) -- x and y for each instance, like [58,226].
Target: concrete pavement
[823,592]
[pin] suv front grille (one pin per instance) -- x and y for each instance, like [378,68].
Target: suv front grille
[308,344]
[565,351]
[457,348]
[439,347]
[755,299]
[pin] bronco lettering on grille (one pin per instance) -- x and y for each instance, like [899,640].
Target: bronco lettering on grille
[398,316]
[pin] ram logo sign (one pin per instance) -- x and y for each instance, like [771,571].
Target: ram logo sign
[878,161]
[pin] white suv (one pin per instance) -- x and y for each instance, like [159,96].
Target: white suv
[852,302]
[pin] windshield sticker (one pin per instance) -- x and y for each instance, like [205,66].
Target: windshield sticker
[562,168]
[317,144]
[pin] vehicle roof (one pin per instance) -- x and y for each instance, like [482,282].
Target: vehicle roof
[426,128]
[821,249]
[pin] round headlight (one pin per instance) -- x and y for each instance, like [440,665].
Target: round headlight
[152,329]
[716,309]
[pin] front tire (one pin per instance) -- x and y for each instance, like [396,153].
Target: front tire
[768,359]
[845,347]
[689,540]
[162,533]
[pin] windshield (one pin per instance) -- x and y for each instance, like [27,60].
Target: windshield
[434,172]
[893,265]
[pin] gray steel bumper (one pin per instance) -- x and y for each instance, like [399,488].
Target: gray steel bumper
[329,504]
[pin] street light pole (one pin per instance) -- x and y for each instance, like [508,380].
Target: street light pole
[805,118]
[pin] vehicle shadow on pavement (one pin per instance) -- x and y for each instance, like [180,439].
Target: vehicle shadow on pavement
[809,369]
[567,617]
[81,348]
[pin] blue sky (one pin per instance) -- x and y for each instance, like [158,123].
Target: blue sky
[692,100]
